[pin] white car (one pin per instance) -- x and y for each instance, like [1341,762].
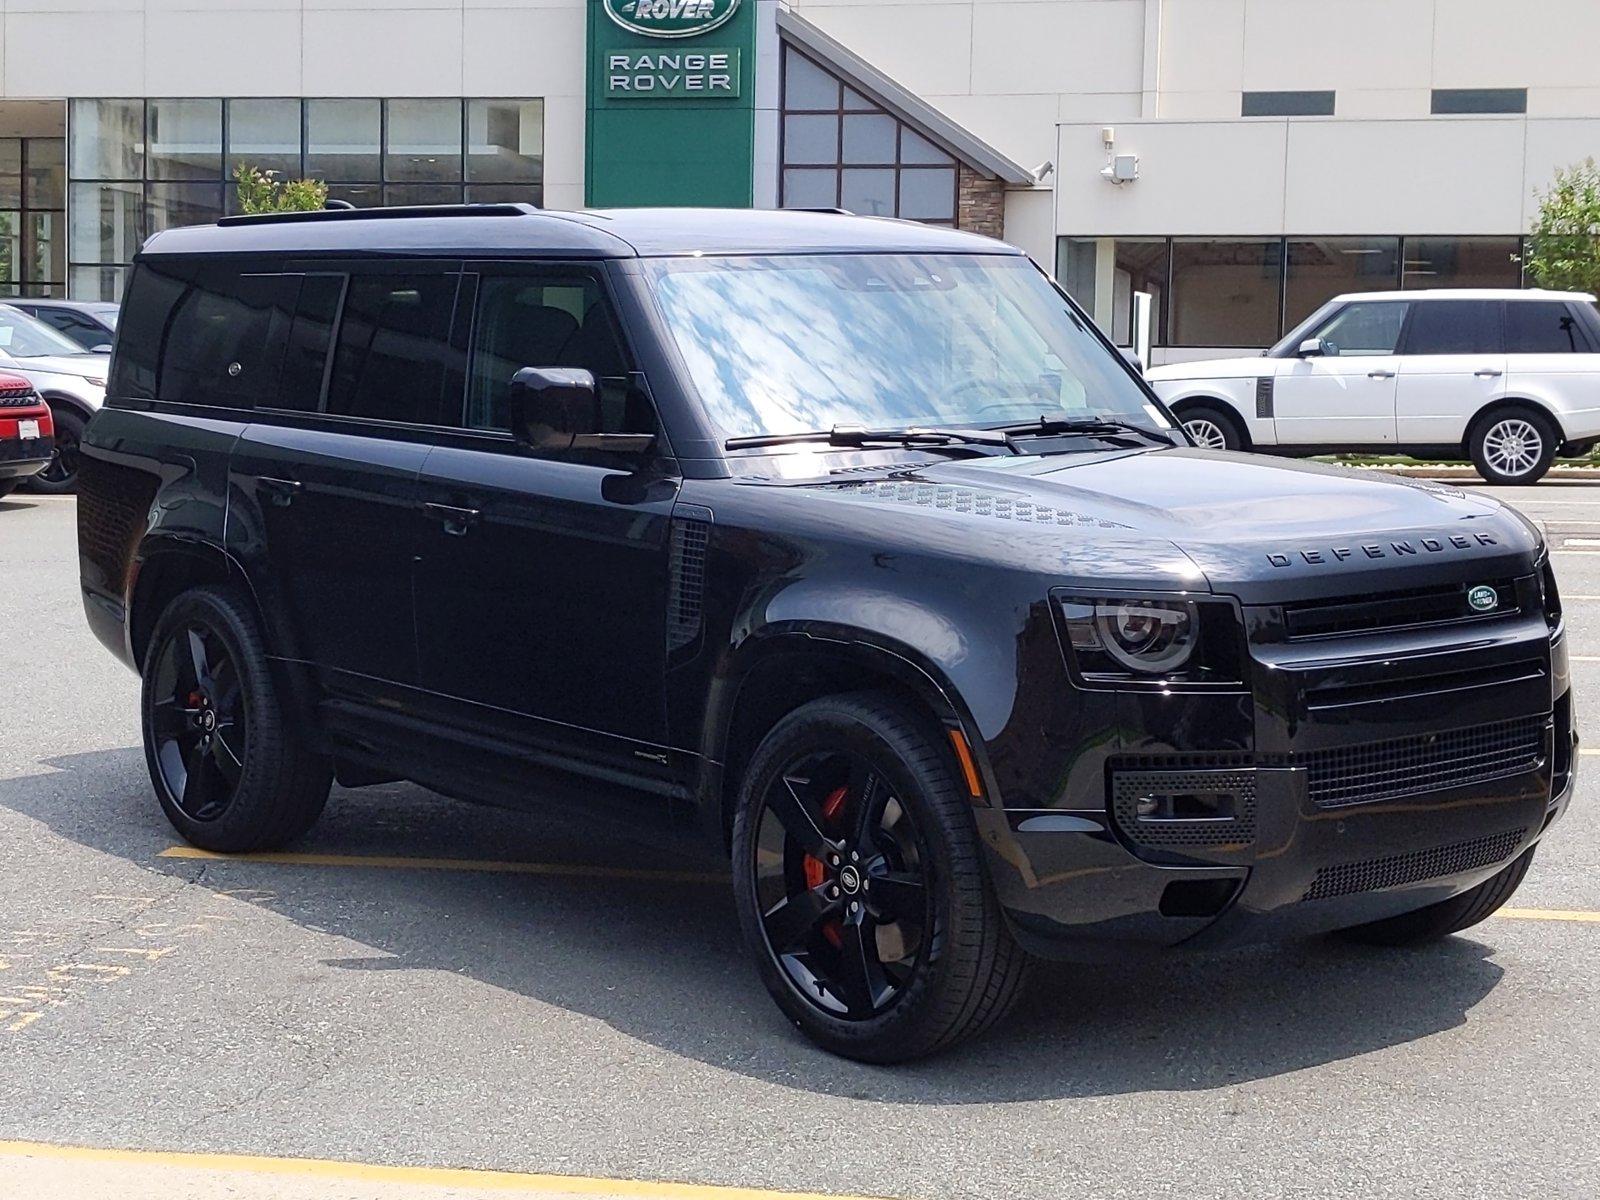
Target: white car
[1509,378]
[71,380]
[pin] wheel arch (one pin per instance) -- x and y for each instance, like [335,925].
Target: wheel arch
[781,670]
[1511,404]
[1218,401]
[54,396]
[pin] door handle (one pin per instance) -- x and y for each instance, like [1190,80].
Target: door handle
[282,491]
[1380,373]
[1487,372]
[456,520]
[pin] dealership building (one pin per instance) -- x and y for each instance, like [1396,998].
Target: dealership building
[1237,160]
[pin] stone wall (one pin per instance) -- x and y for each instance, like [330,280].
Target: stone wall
[981,205]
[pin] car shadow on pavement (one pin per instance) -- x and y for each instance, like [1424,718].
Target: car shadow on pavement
[662,962]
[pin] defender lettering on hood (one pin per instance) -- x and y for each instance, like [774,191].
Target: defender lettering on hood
[1402,549]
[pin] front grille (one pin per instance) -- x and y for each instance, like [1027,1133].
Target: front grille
[1410,609]
[1238,828]
[1425,763]
[1374,874]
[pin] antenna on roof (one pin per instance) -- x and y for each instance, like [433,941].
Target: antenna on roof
[338,205]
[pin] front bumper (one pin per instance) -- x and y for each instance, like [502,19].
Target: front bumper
[1356,778]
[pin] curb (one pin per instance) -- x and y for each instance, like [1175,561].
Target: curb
[1423,472]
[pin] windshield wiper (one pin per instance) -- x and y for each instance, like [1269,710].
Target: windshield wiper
[1089,427]
[857,437]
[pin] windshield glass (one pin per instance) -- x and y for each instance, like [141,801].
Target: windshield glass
[780,345]
[22,336]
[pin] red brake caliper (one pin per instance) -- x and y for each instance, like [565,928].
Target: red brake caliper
[817,871]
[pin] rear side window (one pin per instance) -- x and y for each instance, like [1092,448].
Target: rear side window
[224,345]
[394,360]
[1455,327]
[1544,327]
[305,357]
[153,293]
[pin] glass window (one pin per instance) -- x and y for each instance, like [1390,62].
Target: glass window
[505,141]
[224,344]
[80,329]
[305,355]
[1480,100]
[45,179]
[169,205]
[107,139]
[1368,327]
[154,293]
[185,139]
[869,138]
[22,336]
[264,134]
[11,254]
[1076,259]
[1322,268]
[555,320]
[794,343]
[44,249]
[1432,262]
[869,192]
[394,354]
[423,141]
[362,195]
[1287,104]
[811,139]
[505,193]
[811,188]
[106,221]
[343,140]
[10,172]
[1544,327]
[397,194]
[928,195]
[1455,327]
[918,150]
[96,283]
[1140,265]
[1225,293]
[806,85]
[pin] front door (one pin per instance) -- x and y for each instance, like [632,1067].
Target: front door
[541,580]
[1345,396]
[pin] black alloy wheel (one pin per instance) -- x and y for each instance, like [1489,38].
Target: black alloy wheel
[842,884]
[199,722]
[861,886]
[61,475]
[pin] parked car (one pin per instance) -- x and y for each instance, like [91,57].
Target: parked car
[27,435]
[853,538]
[1509,379]
[71,380]
[92,324]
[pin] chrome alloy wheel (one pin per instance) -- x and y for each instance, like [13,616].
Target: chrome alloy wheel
[1513,446]
[1206,433]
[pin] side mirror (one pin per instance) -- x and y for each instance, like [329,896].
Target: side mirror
[1315,348]
[1133,358]
[102,348]
[558,408]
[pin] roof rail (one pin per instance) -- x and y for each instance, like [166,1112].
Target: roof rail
[398,212]
[831,211]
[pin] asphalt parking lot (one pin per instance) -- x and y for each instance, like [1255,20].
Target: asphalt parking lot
[427,984]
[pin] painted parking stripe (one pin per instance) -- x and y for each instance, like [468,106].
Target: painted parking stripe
[349,1173]
[1550,914]
[394,862]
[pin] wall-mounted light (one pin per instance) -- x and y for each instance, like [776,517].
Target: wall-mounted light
[1123,168]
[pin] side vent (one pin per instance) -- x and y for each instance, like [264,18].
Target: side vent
[687,581]
[1264,396]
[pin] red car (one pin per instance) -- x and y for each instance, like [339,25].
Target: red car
[27,434]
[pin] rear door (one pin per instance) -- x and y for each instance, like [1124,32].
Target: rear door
[1345,397]
[1452,364]
[541,578]
[325,480]
[1551,356]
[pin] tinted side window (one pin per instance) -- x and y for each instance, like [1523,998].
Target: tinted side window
[305,357]
[394,358]
[556,320]
[224,343]
[1455,327]
[1544,327]
[1365,328]
[153,293]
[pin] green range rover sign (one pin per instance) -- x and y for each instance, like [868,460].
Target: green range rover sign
[646,74]
[671,18]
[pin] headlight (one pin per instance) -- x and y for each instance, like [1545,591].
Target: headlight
[1144,640]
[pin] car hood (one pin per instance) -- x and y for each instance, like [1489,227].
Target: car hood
[1263,529]
[85,365]
[1213,368]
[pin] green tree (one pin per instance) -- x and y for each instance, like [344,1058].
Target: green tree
[1564,248]
[264,192]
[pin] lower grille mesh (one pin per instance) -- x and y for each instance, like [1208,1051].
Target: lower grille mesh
[1407,766]
[1348,879]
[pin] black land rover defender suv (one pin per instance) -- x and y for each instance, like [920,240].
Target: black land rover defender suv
[853,537]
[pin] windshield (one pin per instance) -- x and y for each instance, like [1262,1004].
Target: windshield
[22,336]
[781,345]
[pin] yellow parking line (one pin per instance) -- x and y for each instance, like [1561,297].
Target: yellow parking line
[574,870]
[1549,914]
[349,1173]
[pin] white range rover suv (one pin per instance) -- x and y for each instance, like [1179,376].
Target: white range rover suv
[1509,378]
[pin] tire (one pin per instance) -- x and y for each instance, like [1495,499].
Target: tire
[61,476]
[7,486]
[1514,446]
[938,965]
[212,718]
[1211,428]
[1448,916]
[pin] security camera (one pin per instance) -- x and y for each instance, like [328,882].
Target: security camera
[1044,170]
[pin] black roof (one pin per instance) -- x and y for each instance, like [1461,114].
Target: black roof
[514,230]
